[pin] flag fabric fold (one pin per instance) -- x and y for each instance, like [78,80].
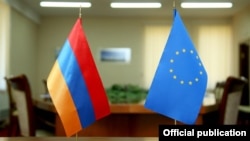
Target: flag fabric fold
[75,86]
[180,80]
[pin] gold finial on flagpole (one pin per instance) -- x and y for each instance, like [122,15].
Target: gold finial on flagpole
[80,12]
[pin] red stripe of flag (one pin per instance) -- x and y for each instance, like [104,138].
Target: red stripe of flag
[89,71]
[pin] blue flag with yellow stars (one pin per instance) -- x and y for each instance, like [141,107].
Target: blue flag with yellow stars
[180,81]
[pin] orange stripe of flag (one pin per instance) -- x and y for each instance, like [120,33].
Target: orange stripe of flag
[65,106]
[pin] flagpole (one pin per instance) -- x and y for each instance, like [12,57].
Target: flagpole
[174,4]
[76,137]
[175,122]
[80,12]
[174,8]
[80,16]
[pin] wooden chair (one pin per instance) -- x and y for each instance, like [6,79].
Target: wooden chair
[244,108]
[21,103]
[230,101]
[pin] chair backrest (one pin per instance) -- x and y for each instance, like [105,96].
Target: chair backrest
[218,90]
[21,101]
[230,101]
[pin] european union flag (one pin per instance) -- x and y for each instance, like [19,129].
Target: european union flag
[180,81]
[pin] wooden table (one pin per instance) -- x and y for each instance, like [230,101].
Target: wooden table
[126,120]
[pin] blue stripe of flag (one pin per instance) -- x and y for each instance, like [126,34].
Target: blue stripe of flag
[76,84]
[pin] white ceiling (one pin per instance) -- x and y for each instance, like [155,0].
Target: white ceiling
[102,8]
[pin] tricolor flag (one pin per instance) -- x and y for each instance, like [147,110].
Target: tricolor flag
[180,81]
[75,86]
